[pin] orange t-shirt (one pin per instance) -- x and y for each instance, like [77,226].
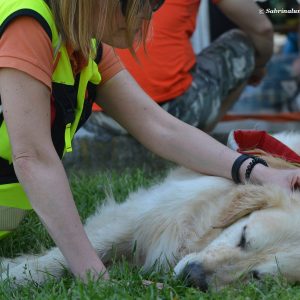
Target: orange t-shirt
[164,70]
[25,46]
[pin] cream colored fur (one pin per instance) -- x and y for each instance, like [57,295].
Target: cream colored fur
[191,218]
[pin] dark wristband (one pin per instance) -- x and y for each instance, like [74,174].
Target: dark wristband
[235,171]
[252,164]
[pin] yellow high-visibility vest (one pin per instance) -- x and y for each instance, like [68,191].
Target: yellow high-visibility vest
[73,97]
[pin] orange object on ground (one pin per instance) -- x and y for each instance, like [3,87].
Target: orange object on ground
[280,117]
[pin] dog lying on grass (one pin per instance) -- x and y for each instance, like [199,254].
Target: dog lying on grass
[209,229]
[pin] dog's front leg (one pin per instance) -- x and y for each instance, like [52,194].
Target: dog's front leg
[35,268]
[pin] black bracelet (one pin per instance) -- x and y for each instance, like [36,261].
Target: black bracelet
[235,171]
[252,164]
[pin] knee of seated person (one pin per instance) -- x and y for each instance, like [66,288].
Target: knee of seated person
[237,39]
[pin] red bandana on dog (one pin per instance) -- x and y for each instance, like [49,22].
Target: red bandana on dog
[258,142]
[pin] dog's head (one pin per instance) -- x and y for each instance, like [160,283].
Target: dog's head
[261,237]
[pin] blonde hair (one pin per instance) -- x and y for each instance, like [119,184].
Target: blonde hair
[75,20]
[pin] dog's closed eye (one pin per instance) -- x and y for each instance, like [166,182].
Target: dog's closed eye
[243,242]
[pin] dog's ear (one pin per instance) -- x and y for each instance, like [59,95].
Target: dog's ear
[245,199]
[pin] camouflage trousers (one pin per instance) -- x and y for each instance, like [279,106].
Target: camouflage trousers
[219,69]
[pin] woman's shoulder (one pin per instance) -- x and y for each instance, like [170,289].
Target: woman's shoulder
[110,63]
[26,46]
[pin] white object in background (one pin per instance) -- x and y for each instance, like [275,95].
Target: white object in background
[201,36]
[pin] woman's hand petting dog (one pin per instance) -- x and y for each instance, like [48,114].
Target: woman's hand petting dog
[286,178]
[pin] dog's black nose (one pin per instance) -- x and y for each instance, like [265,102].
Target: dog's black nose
[193,275]
[255,275]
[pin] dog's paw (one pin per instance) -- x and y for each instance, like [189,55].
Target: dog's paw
[31,268]
[7,263]
[24,273]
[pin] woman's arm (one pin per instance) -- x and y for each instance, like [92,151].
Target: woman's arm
[246,14]
[160,132]
[26,107]
[171,138]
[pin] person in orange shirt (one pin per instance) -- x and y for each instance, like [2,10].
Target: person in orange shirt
[196,89]
[49,77]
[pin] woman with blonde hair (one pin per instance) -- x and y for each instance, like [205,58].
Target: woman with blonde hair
[56,57]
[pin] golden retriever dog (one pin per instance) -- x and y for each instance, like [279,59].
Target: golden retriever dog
[210,230]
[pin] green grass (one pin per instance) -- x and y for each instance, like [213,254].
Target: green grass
[127,281]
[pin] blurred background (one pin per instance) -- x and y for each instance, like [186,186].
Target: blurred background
[273,105]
